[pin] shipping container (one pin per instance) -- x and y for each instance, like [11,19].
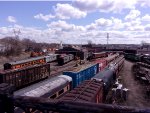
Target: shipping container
[83,72]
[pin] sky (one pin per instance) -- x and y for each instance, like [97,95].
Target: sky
[77,21]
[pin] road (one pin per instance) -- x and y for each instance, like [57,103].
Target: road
[136,89]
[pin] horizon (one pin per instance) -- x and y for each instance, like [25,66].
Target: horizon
[77,21]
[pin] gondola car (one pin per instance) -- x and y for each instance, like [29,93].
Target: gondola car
[25,76]
[30,62]
[65,58]
[51,88]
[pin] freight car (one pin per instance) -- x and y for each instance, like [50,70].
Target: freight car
[111,58]
[103,62]
[89,90]
[50,88]
[25,76]
[99,55]
[107,76]
[110,73]
[81,73]
[65,58]
[30,62]
[117,65]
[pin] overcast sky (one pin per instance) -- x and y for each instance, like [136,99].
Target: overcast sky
[77,21]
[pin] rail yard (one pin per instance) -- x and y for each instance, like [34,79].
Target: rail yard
[105,77]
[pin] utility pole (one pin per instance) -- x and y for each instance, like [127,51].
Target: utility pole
[107,38]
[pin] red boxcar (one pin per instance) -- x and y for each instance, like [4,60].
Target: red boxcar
[102,63]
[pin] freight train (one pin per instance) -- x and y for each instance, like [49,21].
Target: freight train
[96,89]
[30,62]
[103,62]
[25,76]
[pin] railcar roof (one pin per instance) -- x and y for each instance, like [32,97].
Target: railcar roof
[26,60]
[46,86]
[81,67]
[24,68]
[110,57]
[86,91]
[118,59]
[104,75]
[100,53]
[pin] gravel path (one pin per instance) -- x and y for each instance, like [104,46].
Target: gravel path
[136,89]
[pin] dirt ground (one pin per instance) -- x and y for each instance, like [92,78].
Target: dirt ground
[13,58]
[136,89]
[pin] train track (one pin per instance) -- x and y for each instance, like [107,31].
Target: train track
[55,70]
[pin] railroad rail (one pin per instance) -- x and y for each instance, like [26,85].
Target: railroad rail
[59,69]
[8,101]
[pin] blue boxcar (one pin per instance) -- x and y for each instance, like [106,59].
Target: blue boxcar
[81,73]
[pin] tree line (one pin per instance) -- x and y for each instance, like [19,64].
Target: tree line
[14,46]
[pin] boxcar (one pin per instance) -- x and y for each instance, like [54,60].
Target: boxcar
[81,73]
[89,90]
[102,63]
[25,76]
[65,58]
